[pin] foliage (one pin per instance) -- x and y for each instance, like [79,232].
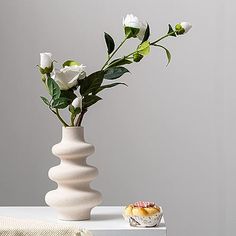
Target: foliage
[79,92]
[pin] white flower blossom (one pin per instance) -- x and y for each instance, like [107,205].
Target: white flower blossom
[68,76]
[131,21]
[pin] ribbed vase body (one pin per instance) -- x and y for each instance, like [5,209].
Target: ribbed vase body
[73,199]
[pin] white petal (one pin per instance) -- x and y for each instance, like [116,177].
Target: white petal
[131,21]
[82,75]
[68,76]
[142,31]
[77,102]
[187,26]
[45,60]
[123,21]
[71,77]
[72,74]
[73,82]
[73,68]
[60,80]
[77,93]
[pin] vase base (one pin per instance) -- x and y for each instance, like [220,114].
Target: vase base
[76,217]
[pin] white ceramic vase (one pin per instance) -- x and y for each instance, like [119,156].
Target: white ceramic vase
[73,199]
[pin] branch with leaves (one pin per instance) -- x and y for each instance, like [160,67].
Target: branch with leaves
[71,88]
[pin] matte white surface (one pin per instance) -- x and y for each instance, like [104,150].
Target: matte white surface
[73,199]
[105,220]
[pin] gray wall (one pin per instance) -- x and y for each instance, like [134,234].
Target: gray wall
[169,137]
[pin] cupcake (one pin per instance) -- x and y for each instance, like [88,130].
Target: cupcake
[143,214]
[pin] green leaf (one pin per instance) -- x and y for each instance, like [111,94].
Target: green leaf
[109,86]
[146,34]
[45,100]
[60,103]
[109,42]
[70,63]
[68,94]
[171,32]
[53,88]
[91,83]
[144,48]
[115,72]
[73,110]
[90,100]
[77,110]
[119,62]
[167,52]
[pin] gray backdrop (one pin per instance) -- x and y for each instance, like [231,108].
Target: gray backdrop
[169,137]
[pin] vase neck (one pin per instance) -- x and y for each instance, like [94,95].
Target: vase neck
[73,133]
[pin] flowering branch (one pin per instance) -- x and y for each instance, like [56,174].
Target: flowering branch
[71,87]
[111,56]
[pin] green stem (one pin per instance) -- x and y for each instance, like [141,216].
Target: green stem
[72,119]
[165,36]
[110,57]
[81,116]
[151,44]
[55,112]
[60,118]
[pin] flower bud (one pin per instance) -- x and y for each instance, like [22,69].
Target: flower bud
[46,62]
[132,25]
[77,102]
[183,28]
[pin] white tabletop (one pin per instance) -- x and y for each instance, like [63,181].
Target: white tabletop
[104,220]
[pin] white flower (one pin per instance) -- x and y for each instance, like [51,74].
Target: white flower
[131,21]
[142,30]
[68,76]
[46,60]
[186,26]
[77,102]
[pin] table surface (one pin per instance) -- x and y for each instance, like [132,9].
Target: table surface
[103,219]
